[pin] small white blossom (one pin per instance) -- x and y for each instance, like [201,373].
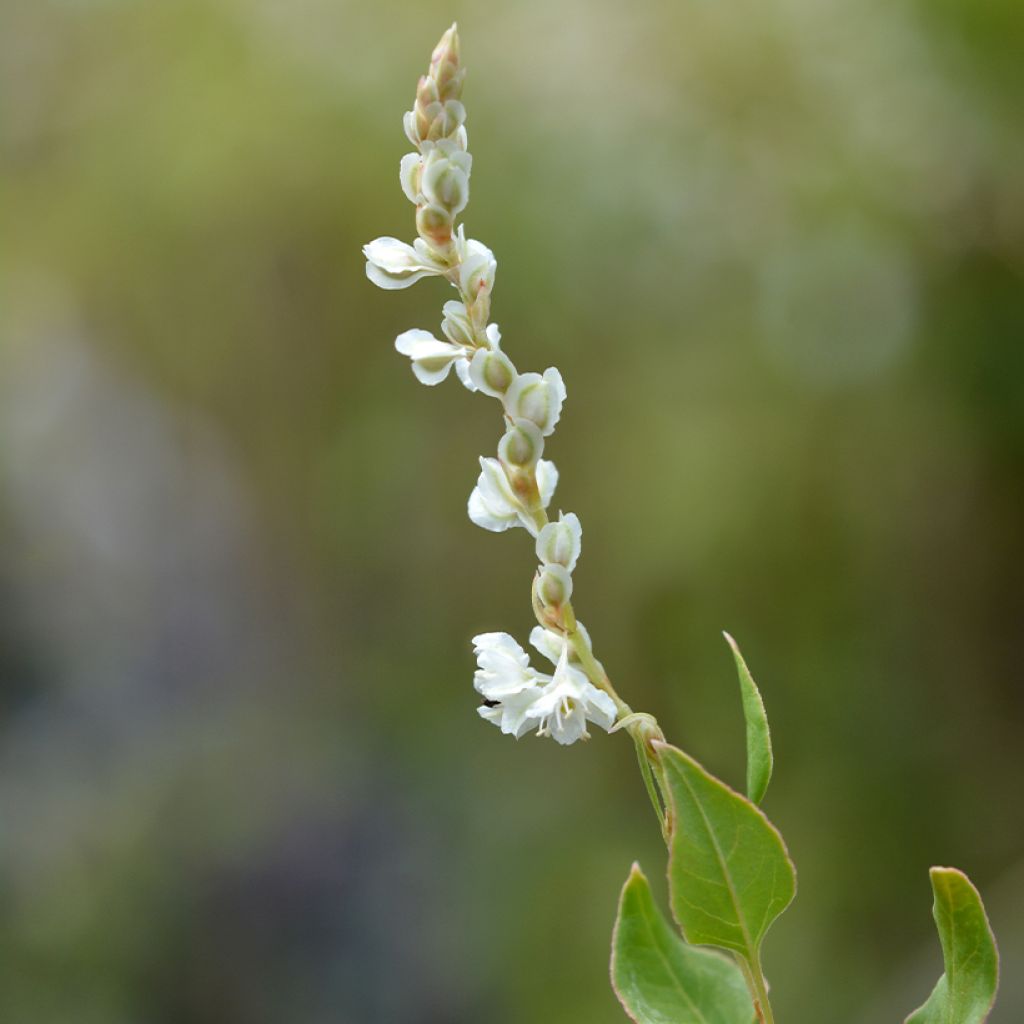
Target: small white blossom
[392,263]
[568,702]
[537,398]
[505,679]
[432,358]
[559,543]
[494,505]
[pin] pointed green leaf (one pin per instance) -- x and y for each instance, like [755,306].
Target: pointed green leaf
[966,992]
[729,873]
[759,740]
[659,979]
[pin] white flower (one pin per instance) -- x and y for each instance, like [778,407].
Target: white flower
[392,263]
[559,543]
[494,505]
[519,698]
[432,358]
[568,702]
[504,679]
[537,398]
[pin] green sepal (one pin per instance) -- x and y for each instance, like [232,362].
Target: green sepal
[759,739]
[729,873]
[659,979]
[967,990]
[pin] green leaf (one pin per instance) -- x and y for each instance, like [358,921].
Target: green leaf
[659,979]
[729,873]
[759,740]
[966,992]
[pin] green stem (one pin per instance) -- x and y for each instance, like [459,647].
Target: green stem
[758,989]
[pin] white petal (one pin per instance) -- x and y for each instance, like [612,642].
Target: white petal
[431,358]
[462,369]
[417,343]
[554,378]
[394,264]
[409,124]
[495,488]
[431,372]
[547,481]
[391,255]
[566,729]
[407,173]
[482,516]
[601,708]
[493,335]
[382,279]
[549,644]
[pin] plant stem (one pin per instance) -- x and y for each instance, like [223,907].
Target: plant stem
[758,990]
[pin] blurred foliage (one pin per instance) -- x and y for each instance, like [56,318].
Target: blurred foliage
[777,251]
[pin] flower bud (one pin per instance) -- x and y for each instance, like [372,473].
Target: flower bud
[521,446]
[492,372]
[426,92]
[456,326]
[434,225]
[553,586]
[445,178]
[438,121]
[444,65]
[537,398]
[559,543]
[476,270]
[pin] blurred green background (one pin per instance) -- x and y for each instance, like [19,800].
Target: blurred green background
[777,251]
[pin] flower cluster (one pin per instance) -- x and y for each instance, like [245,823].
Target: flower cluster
[517,697]
[516,485]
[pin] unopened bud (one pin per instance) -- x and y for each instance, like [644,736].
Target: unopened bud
[434,225]
[477,270]
[445,178]
[554,586]
[444,65]
[537,398]
[521,446]
[456,326]
[559,543]
[426,92]
[492,372]
[445,119]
